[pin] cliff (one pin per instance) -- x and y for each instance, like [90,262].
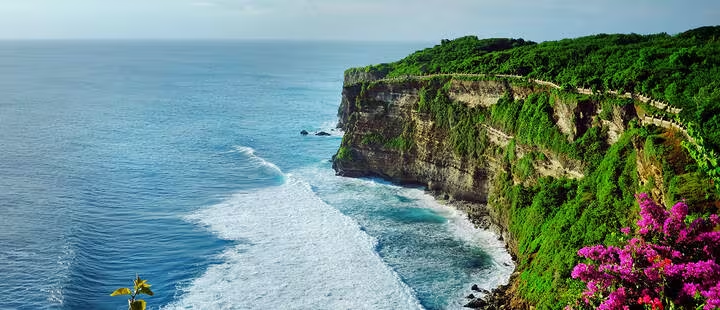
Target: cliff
[535,162]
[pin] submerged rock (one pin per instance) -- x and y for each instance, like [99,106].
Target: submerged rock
[304,132]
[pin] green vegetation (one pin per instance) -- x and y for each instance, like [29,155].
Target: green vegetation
[531,121]
[466,132]
[555,217]
[141,287]
[399,143]
[682,69]
[403,142]
[344,153]
[372,138]
[552,218]
[694,189]
[704,155]
[449,56]
[525,168]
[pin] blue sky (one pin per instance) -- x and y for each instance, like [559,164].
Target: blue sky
[407,20]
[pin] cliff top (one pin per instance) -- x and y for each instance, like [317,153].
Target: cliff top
[682,70]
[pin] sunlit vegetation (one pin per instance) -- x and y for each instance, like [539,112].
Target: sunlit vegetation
[553,217]
[681,69]
[140,287]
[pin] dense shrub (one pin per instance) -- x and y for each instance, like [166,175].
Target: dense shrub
[670,262]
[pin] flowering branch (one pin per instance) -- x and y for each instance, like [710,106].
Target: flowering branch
[667,264]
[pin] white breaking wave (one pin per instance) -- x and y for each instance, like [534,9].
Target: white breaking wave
[331,128]
[261,162]
[460,225]
[294,252]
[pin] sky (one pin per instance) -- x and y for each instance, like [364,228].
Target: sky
[361,20]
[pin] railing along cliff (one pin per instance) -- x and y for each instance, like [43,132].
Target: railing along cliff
[661,122]
[585,91]
[695,145]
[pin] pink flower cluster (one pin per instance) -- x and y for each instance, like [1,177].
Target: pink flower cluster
[668,264]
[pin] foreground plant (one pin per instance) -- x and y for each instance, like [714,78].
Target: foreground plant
[141,287]
[669,263]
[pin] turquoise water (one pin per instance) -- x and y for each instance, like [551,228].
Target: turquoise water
[182,162]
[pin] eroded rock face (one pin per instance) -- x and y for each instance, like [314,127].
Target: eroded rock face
[354,76]
[373,115]
[378,116]
[389,110]
[388,134]
[566,115]
[477,93]
[618,121]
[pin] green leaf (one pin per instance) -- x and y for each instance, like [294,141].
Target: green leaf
[138,305]
[121,291]
[146,290]
[140,283]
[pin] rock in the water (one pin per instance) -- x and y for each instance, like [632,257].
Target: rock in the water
[322,133]
[476,303]
[471,296]
[304,133]
[475,288]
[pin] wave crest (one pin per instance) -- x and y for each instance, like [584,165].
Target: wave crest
[260,162]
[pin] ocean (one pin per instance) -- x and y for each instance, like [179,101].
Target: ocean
[182,162]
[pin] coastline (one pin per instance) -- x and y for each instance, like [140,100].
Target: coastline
[371,115]
[480,216]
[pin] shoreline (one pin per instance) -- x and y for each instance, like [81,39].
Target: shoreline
[479,215]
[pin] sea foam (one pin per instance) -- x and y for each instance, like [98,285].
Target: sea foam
[424,221]
[460,226]
[293,251]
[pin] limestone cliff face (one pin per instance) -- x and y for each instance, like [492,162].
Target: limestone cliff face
[454,135]
[387,135]
[372,114]
[357,75]
[390,109]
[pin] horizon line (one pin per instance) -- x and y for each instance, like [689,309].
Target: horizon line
[225,40]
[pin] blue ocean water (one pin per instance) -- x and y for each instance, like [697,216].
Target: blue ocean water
[182,162]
